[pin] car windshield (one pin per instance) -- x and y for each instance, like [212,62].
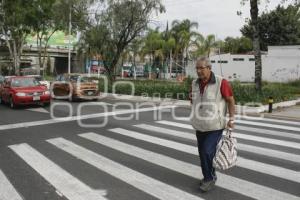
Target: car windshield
[24,82]
[38,78]
[82,79]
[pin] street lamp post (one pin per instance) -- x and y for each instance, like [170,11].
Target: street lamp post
[69,45]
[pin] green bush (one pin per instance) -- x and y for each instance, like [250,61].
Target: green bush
[153,88]
[243,93]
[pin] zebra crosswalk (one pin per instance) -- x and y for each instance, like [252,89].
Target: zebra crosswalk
[7,189]
[146,143]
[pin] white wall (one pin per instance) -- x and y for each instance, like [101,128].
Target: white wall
[232,68]
[280,64]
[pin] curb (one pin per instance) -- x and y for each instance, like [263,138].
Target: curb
[265,108]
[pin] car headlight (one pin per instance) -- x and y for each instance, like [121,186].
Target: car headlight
[20,94]
[47,92]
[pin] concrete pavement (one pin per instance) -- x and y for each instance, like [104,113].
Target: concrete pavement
[292,113]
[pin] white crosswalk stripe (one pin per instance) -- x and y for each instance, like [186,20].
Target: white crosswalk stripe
[291,128]
[64,182]
[244,147]
[244,163]
[294,145]
[7,190]
[257,119]
[264,124]
[268,132]
[268,120]
[161,135]
[228,182]
[145,183]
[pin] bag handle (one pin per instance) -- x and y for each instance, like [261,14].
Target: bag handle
[229,132]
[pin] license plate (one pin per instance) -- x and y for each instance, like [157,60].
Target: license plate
[90,93]
[36,98]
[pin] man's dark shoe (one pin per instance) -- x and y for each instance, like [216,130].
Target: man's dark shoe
[207,185]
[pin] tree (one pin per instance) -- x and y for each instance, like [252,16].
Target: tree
[117,26]
[182,32]
[256,44]
[43,26]
[184,36]
[237,45]
[205,44]
[256,41]
[15,26]
[53,15]
[278,27]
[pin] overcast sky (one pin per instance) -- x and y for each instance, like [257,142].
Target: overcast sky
[217,17]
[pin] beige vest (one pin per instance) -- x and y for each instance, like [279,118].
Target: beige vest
[209,109]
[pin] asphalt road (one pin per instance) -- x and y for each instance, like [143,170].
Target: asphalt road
[137,150]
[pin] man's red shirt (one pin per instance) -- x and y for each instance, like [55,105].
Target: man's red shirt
[226,89]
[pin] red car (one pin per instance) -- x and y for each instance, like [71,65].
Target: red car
[21,90]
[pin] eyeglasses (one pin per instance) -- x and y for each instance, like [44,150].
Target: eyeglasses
[200,68]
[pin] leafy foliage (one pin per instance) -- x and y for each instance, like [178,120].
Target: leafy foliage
[243,93]
[117,26]
[237,45]
[278,27]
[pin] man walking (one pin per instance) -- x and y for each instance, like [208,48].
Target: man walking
[211,96]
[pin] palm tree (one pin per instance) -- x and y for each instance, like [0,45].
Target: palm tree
[169,45]
[184,35]
[153,45]
[256,44]
[204,45]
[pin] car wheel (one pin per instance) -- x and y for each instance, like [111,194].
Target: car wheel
[11,103]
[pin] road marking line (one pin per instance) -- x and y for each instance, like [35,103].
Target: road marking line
[268,132]
[263,124]
[74,118]
[224,181]
[268,125]
[7,190]
[64,182]
[267,120]
[264,131]
[138,180]
[258,119]
[41,110]
[244,147]
[273,170]
[294,145]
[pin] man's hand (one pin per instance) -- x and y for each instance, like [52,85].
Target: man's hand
[230,124]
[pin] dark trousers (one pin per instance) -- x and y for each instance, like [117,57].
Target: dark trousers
[207,143]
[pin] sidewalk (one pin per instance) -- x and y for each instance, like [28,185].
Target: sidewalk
[292,113]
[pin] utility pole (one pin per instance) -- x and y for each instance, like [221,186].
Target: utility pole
[219,49]
[70,29]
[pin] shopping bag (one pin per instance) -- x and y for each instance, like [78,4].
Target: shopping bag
[226,152]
